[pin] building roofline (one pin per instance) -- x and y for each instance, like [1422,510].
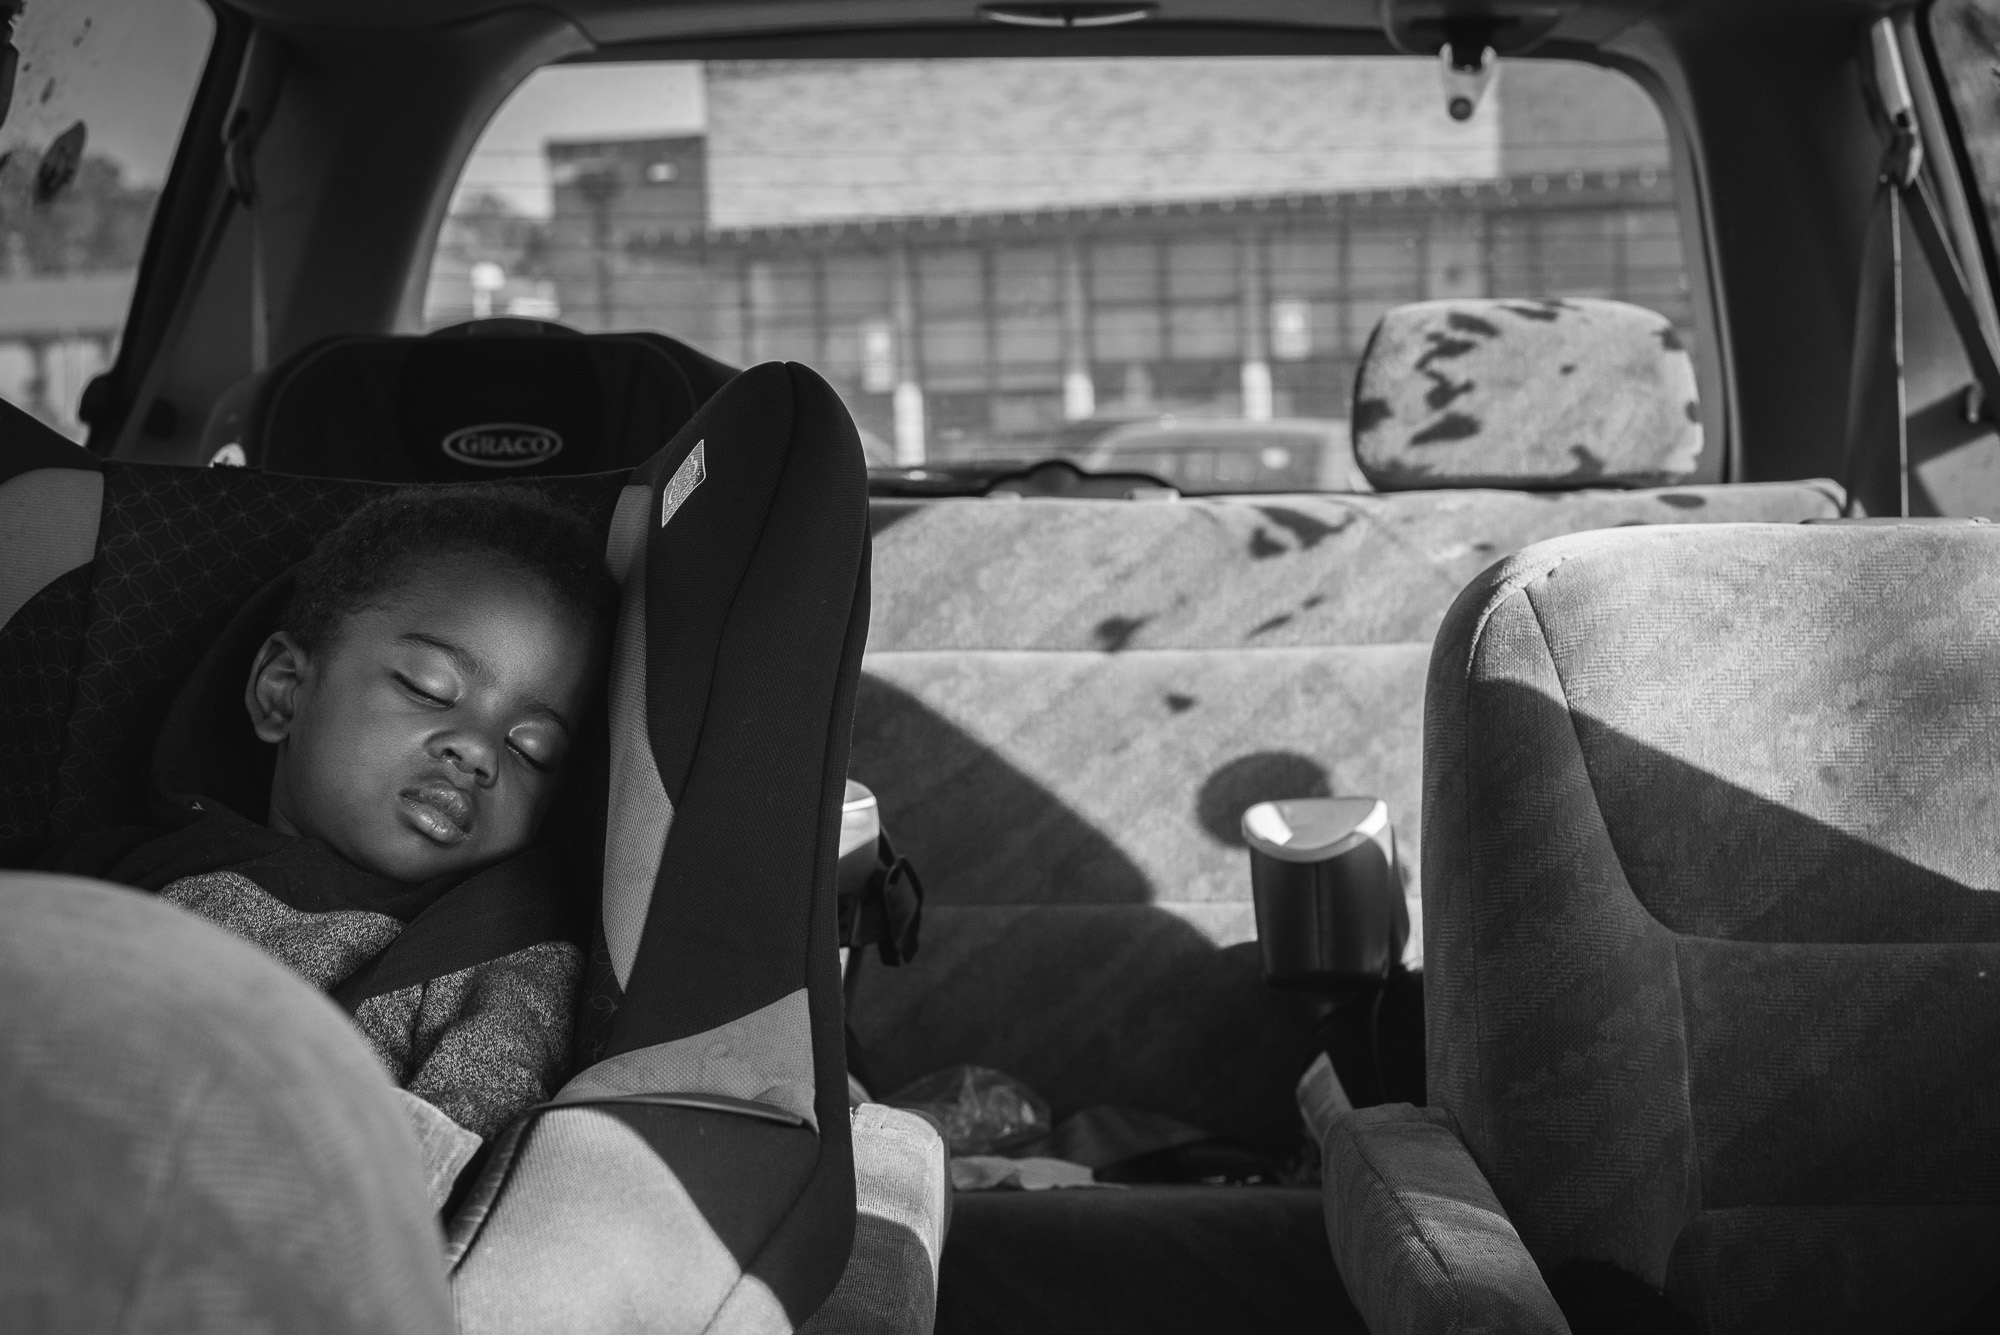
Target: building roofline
[1527,191]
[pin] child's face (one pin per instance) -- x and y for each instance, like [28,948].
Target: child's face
[428,734]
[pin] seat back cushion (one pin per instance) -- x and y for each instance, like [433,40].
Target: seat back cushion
[1487,392]
[51,493]
[459,408]
[1066,706]
[1712,919]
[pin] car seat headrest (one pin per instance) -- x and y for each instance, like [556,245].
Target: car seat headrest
[1488,392]
[477,402]
[470,409]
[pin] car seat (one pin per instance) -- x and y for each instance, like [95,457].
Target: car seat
[1712,941]
[470,402]
[697,1172]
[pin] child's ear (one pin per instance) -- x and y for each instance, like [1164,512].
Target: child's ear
[272,693]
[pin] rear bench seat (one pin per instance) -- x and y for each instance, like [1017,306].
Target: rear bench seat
[1066,705]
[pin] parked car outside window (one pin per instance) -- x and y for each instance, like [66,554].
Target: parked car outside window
[1227,456]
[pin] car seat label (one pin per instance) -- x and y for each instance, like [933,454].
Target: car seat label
[502,445]
[691,474]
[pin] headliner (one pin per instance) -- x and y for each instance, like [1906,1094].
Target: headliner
[956,27]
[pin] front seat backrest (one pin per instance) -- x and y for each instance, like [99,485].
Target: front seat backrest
[1712,912]
[464,405]
[1492,392]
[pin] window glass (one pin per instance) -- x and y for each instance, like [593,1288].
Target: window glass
[1006,259]
[103,89]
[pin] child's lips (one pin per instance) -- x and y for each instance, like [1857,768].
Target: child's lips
[439,811]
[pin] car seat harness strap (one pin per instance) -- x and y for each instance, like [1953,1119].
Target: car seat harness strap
[487,916]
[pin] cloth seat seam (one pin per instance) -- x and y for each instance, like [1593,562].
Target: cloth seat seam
[1508,587]
[161,1202]
[1673,937]
[1410,1219]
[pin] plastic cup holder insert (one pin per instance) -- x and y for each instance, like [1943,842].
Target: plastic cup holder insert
[1328,893]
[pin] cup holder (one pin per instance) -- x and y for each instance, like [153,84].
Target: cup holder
[1329,896]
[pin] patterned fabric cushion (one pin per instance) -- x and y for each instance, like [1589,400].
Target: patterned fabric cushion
[40,649]
[1576,392]
[1220,573]
[1713,912]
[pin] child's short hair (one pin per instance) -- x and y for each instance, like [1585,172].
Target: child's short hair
[374,548]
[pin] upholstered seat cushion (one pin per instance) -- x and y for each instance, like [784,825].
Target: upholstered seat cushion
[1712,924]
[1422,1244]
[1066,706]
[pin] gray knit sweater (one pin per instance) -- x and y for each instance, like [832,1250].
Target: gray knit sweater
[480,1046]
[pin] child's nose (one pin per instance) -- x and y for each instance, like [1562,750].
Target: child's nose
[469,754]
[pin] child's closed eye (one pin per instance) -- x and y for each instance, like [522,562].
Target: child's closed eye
[537,751]
[431,693]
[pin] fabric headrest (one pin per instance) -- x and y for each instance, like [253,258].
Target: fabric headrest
[1575,392]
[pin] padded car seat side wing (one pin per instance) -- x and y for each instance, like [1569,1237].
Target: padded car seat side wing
[709,1147]
[51,500]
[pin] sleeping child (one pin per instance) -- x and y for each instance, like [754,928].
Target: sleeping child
[414,714]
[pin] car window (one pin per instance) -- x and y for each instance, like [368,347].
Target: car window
[1966,35]
[101,93]
[1000,260]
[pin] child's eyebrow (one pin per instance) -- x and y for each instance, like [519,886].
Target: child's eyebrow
[468,663]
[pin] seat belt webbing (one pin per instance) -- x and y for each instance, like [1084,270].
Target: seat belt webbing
[256,85]
[1878,386]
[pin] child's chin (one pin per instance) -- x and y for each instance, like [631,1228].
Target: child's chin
[430,863]
[414,863]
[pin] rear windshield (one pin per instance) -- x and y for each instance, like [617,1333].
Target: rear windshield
[101,93]
[1005,260]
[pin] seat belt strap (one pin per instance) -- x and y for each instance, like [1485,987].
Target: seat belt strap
[240,131]
[240,146]
[1927,221]
[256,85]
[488,916]
[1876,391]
[1878,386]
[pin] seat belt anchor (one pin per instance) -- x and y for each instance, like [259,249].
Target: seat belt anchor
[1903,159]
[239,155]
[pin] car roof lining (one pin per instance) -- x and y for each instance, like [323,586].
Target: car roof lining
[903,27]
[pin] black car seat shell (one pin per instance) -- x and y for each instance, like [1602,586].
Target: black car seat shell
[713,1014]
[498,398]
[1712,939]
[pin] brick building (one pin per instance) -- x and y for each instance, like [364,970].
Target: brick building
[977,252]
